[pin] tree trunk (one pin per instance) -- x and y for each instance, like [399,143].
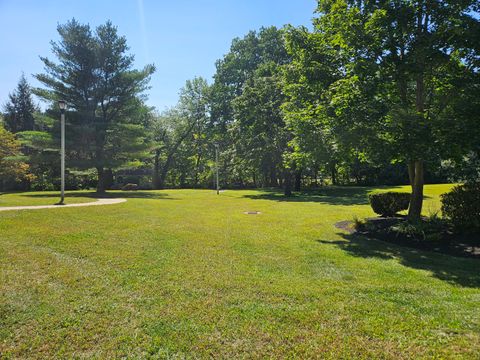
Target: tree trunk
[333,170]
[298,180]
[197,170]
[273,177]
[156,169]
[416,200]
[108,179]
[288,183]
[416,169]
[357,178]
[101,180]
[163,174]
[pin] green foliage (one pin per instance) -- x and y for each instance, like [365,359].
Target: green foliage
[424,230]
[462,207]
[20,109]
[464,169]
[385,81]
[12,165]
[261,135]
[358,224]
[179,139]
[373,87]
[42,155]
[389,203]
[95,76]
[246,99]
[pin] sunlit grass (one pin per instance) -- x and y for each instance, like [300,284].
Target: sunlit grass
[186,273]
[431,203]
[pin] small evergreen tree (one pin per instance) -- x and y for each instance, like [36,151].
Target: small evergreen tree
[20,108]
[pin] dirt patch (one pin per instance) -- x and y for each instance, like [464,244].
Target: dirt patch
[346,225]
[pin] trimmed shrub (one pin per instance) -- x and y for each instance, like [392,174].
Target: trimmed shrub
[462,207]
[389,203]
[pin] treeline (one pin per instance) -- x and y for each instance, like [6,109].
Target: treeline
[376,93]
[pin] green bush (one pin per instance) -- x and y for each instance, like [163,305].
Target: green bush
[358,224]
[462,207]
[389,203]
[429,229]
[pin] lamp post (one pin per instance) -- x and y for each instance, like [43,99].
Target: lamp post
[216,168]
[62,105]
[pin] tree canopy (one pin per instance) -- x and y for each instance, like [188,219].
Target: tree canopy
[12,166]
[375,93]
[383,79]
[20,108]
[95,76]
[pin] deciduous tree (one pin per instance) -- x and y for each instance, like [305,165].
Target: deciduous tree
[12,165]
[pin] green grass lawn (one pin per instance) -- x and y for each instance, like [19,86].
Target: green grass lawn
[185,273]
[43,198]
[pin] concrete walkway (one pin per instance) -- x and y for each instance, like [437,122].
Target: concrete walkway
[95,203]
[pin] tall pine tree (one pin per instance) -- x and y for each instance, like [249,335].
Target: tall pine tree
[95,76]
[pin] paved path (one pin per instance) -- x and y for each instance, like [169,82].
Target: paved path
[95,203]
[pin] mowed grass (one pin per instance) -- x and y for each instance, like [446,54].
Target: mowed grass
[186,274]
[43,198]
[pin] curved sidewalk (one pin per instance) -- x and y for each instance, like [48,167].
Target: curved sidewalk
[95,203]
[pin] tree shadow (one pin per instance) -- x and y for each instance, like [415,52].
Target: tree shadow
[455,270]
[108,195]
[334,195]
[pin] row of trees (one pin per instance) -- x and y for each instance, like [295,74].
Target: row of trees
[388,80]
[378,92]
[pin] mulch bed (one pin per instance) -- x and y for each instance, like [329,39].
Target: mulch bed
[448,243]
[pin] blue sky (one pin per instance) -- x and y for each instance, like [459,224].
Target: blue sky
[183,38]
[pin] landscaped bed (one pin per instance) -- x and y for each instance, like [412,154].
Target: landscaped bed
[396,230]
[455,233]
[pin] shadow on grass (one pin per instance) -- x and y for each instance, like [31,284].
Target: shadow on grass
[455,270]
[120,194]
[334,195]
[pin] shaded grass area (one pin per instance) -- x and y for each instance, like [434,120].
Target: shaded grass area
[465,273]
[71,197]
[431,234]
[197,278]
[42,198]
[333,195]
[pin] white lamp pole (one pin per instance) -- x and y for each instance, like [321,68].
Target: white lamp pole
[62,104]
